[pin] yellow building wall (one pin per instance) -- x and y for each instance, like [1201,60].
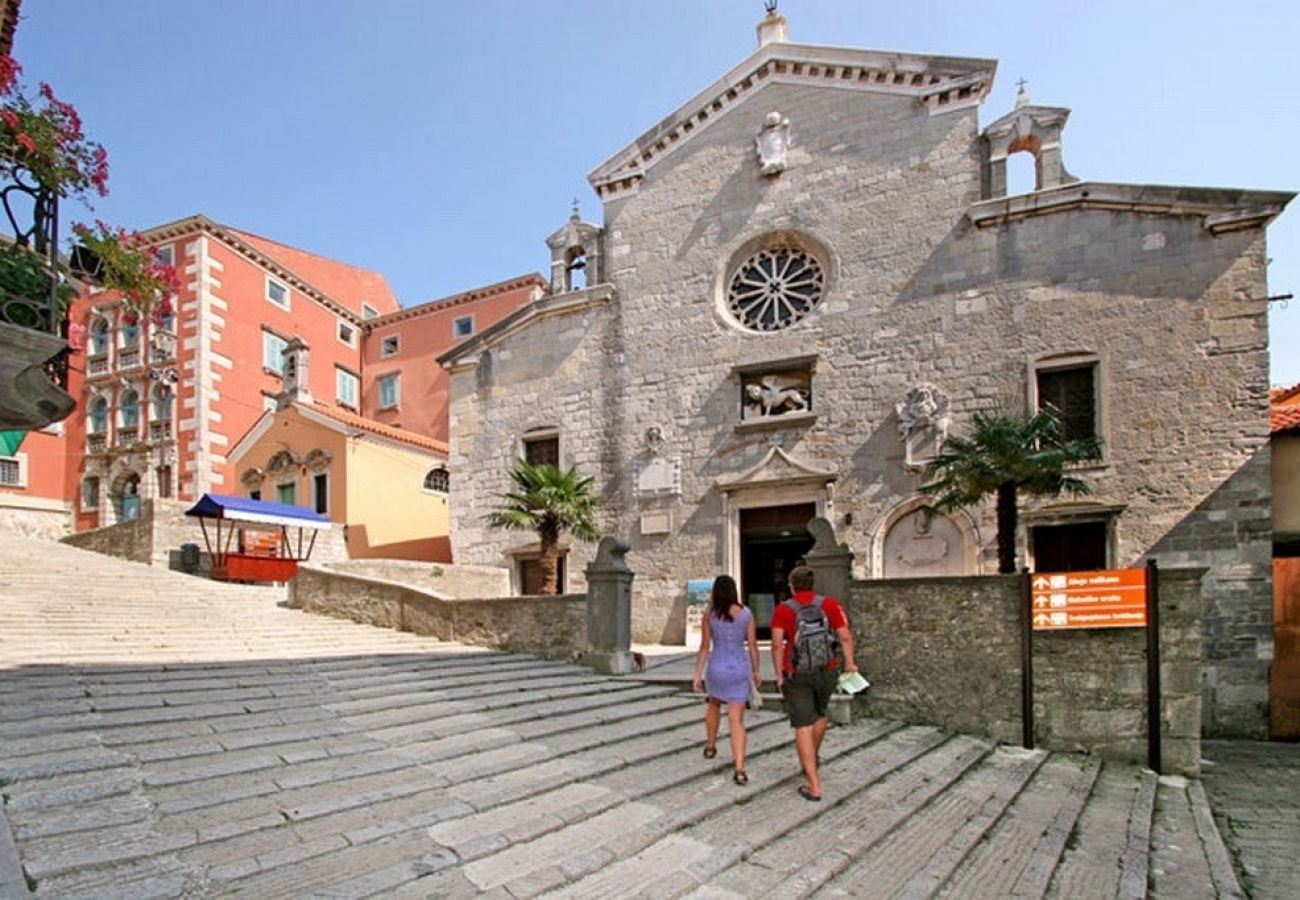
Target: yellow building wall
[390,513]
[1286,484]
[375,488]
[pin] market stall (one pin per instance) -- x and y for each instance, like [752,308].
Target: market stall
[255,540]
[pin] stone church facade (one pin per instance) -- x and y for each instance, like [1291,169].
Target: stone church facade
[809,274]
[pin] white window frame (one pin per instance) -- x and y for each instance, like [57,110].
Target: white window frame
[384,352]
[82,492]
[369,312]
[282,286]
[341,377]
[268,335]
[165,255]
[1078,360]
[21,460]
[351,341]
[292,486]
[455,327]
[396,379]
[140,409]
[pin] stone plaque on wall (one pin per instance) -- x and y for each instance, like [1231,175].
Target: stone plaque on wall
[658,522]
[924,543]
[659,476]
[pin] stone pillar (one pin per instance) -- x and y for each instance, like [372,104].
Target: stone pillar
[832,563]
[609,609]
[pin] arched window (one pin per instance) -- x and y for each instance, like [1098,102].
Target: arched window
[438,479]
[162,404]
[130,410]
[99,338]
[129,333]
[99,416]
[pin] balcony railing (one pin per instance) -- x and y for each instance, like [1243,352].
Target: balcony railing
[128,357]
[97,365]
[126,435]
[29,289]
[96,443]
[160,431]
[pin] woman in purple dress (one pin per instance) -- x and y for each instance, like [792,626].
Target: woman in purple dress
[729,647]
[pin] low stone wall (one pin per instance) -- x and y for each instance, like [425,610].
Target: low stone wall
[552,627]
[163,527]
[30,520]
[946,651]
[440,579]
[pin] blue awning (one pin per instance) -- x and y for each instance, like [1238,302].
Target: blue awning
[261,512]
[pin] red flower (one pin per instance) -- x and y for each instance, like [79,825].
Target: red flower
[11,118]
[28,144]
[9,70]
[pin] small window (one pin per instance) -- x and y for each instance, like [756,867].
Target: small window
[542,449]
[368,311]
[165,255]
[1074,547]
[390,391]
[255,494]
[129,413]
[129,334]
[99,337]
[462,326]
[438,480]
[273,352]
[1073,392]
[99,416]
[162,404]
[286,493]
[90,492]
[390,345]
[346,384]
[13,471]
[347,334]
[320,492]
[277,293]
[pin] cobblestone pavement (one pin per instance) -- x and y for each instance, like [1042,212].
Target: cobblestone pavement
[1255,791]
[162,737]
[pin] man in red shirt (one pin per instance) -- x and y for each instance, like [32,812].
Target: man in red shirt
[807,695]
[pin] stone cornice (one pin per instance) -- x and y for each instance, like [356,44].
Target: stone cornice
[1220,209]
[432,306]
[940,83]
[466,354]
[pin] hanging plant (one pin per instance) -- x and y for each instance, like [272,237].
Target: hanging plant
[127,264]
[43,135]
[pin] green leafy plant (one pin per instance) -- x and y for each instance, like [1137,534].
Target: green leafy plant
[1007,453]
[43,135]
[123,261]
[25,273]
[548,501]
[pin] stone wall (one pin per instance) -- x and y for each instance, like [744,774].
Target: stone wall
[552,627]
[33,521]
[946,651]
[440,579]
[163,527]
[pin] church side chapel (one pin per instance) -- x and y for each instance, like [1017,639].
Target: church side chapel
[809,274]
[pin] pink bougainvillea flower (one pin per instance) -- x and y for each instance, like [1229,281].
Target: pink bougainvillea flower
[9,71]
[28,144]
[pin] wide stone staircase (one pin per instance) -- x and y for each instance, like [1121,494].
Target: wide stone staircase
[164,736]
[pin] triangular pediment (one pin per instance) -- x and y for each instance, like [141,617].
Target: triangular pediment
[777,468]
[939,83]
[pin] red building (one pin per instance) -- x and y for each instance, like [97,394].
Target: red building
[162,402]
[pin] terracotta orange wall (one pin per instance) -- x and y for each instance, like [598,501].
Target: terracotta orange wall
[424,383]
[243,288]
[46,464]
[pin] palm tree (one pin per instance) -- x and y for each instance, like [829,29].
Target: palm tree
[1006,453]
[549,502]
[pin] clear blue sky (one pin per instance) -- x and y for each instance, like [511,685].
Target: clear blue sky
[441,142]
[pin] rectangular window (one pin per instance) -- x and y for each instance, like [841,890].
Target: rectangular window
[13,471]
[389,393]
[1073,392]
[90,492]
[165,255]
[346,387]
[277,293]
[542,450]
[390,345]
[1077,547]
[286,493]
[273,352]
[368,311]
[462,326]
[255,494]
[320,493]
[347,334]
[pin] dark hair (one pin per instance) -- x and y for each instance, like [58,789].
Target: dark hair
[725,596]
[802,578]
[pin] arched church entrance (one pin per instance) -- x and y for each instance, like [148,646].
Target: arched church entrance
[773,539]
[125,496]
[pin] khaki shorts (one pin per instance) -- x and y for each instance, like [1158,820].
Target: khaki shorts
[807,696]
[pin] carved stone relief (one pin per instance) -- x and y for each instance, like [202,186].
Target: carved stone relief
[318,460]
[283,461]
[765,396]
[924,543]
[922,424]
[657,476]
[773,143]
[252,478]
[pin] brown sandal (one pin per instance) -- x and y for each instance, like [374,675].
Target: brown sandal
[740,777]
[710,751]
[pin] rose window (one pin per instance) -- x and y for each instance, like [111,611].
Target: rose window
[775,288]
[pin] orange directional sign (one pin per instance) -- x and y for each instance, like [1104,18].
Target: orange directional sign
[1111,598]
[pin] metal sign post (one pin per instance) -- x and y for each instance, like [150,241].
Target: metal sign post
[1026,661]
[1153,666]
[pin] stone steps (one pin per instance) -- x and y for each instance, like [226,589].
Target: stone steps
[158,738]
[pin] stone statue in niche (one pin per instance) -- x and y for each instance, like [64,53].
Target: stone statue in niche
[773,142]
[923,543]
[654,440]
[768,396]
[922,424]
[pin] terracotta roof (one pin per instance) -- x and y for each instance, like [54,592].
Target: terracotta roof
[1286,408]
[352,420]
[348,284]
